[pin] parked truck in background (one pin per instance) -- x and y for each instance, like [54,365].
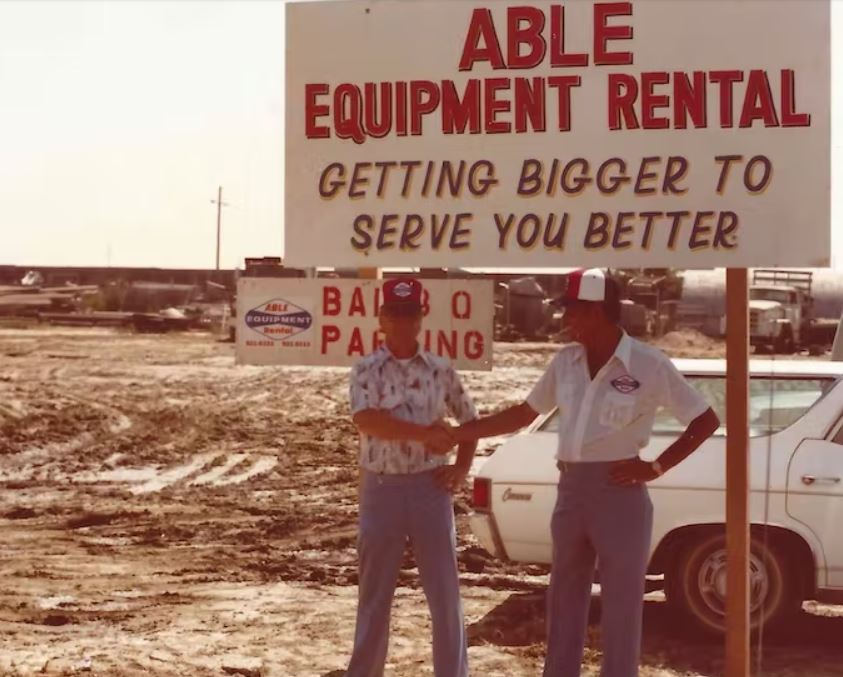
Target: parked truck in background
[650,300]
[780,310]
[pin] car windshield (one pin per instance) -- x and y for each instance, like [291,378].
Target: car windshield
[774,403]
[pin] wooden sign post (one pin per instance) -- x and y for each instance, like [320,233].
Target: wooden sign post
[737,473]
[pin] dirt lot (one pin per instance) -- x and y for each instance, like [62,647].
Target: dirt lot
[164,512]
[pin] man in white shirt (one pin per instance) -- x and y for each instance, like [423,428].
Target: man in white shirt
[399,395]
[608,387]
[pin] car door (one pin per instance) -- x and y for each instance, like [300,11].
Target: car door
[815,495]
[524,491]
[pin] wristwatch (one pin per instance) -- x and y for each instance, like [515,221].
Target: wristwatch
[657,468]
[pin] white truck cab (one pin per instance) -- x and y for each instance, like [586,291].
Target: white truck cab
[776,317]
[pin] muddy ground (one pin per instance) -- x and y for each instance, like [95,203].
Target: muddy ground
[164,512]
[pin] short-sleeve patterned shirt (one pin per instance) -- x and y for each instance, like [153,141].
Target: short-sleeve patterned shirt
[423,390]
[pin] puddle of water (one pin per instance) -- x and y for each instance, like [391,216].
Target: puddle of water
[261,466]
[55,602]
[215,474]
[174,475]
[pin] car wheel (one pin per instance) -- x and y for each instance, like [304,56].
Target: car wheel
[697,585]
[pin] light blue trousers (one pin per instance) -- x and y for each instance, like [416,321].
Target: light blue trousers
[394,508]
[594,520]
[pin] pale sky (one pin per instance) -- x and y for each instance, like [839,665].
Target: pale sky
[118,120]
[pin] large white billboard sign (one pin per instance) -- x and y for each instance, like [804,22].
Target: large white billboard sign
[688,133]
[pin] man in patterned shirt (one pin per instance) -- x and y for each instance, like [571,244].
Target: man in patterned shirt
[400,396]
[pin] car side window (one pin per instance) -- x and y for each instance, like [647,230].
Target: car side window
[774,403]
[713,389]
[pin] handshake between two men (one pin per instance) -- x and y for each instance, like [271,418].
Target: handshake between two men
[439,439]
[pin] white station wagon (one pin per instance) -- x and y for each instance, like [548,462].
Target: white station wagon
[796,503]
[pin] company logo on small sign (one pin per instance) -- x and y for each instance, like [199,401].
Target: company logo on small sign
[279,319]
[626,384]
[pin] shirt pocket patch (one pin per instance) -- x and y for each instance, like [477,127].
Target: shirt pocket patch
[618,410]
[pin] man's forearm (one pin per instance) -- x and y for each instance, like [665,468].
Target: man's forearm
[465,453]
[699,430]
[379,423]
[507,421]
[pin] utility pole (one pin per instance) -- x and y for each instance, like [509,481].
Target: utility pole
[220,204]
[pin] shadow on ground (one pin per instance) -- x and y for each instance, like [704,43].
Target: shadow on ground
[811,644]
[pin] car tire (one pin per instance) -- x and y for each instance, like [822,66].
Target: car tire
[696,585]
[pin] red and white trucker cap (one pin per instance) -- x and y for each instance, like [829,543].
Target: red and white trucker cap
[402,296]
[591,284]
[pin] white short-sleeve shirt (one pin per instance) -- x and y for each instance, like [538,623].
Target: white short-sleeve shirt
[610,418]
[423,390]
